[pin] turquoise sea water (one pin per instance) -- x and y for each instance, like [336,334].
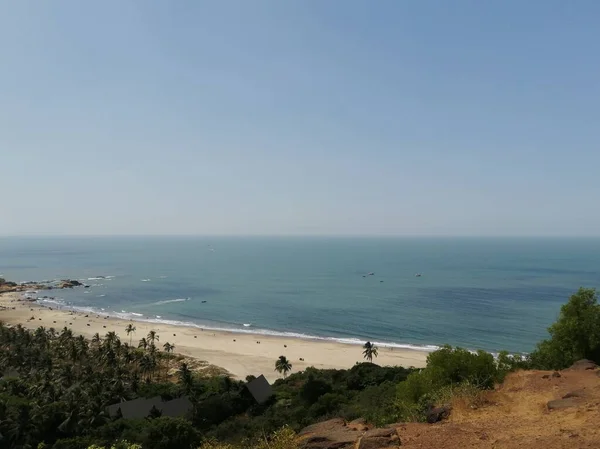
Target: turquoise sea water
[491,294]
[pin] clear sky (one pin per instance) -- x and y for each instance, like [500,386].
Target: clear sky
[300,117]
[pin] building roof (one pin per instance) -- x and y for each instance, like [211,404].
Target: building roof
[260,389]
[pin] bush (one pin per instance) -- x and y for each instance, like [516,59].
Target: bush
[285,438]
[575,335]
[169,433]
[447,369]
[119,445]
[313,389]
[74,443]
[457,365]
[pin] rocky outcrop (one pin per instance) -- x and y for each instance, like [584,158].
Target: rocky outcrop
[436,414]
[379,439]
[69,283]
[562,403]
[583,364]
[337,434]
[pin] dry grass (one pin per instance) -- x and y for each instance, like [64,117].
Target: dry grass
[515,415]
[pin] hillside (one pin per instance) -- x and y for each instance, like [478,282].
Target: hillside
[526,411]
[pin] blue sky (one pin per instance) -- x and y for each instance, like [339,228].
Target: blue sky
[300,117]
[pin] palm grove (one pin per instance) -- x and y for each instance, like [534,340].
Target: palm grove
[56,387]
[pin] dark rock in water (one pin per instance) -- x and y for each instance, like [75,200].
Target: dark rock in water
[436,414]
[203,302]
[583,364]
[86,286]
[68,283]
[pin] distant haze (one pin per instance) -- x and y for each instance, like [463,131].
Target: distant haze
[300,117]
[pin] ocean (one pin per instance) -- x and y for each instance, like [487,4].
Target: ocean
[479,293]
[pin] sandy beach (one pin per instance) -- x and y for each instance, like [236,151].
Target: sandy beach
[240,354]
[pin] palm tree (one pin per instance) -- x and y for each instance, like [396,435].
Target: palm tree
[283,365]
[147,365]
[152,337]
[96,338]
[370,350]
[168,347]
[130,329]
[111,339]
[185,377]
[143,343]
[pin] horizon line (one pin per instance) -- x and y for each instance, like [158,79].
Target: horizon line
[409,236]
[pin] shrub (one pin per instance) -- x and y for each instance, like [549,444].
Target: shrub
[457,365]
[313,389]
[285,438]
[575,334]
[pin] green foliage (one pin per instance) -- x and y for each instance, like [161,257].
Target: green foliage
[447,369]
[63,384]
[283,365]
[456,365]
[313,389]
[377,404]
[284,438]
[363,375]
[574,336]
[370,351]
[118,445]
[169,433]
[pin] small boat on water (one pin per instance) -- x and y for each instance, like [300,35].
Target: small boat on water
[371,274]
[418,275]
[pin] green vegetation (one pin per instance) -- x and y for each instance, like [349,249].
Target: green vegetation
[283,366]
[57,387]
[574,336]
[63,383]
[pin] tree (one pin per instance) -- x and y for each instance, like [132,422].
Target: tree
[152,337]
[370,351]
[169,433]
[168,347]
[130,329]
[143,343]
[575,335]
[283,365]
[185,377]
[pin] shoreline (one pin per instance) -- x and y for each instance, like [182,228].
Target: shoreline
[240,353]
